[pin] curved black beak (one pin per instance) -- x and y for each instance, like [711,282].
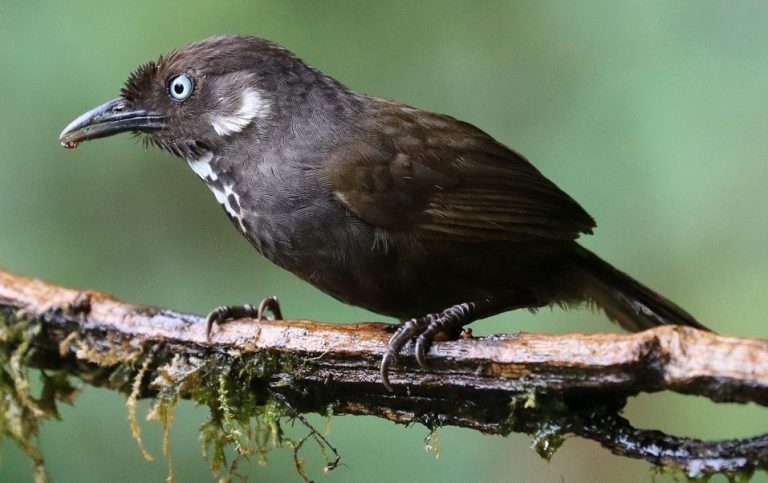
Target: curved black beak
[110,118]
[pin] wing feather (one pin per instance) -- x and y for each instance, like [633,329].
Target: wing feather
[444,178]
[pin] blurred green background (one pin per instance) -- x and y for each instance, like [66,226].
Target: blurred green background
[652,114]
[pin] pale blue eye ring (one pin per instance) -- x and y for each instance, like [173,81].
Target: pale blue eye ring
[180,87]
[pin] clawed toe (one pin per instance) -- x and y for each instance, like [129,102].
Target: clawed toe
[402,335]
[423,331]
[422,346]
[222,314]
[219,315]
[272,305]
[424,340]
[389,360]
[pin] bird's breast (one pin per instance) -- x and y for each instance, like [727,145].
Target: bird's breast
[290,216]
[283,209]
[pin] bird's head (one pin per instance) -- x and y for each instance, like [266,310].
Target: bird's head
[200,96]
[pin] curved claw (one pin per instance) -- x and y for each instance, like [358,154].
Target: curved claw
[387,361]
[405,332]
[424,340]
[422,346]
[221,314]
[216,316]
[423,329]
[269,304]
[209,321]
[395,344]
[451,321]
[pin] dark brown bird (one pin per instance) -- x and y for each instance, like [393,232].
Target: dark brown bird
[404,212]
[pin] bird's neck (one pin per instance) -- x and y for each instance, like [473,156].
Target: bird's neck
[220,179]
[203,167]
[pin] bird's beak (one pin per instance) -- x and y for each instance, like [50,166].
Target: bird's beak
[110,118]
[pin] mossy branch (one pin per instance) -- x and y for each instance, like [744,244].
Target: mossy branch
[545,385]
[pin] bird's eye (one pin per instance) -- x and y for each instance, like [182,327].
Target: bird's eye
[180,87]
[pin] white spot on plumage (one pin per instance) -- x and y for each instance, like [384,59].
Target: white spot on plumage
[252,105]
[220,196]
[223,198]
[202,167]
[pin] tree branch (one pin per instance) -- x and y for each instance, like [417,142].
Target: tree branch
[546,385]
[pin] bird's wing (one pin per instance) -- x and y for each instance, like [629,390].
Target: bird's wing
[443,178]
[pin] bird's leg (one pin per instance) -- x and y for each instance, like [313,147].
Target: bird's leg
[220,315]
[451,321]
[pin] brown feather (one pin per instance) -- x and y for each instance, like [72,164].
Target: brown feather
[446,178]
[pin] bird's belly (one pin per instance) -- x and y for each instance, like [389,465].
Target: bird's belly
[388,273]
[346,261]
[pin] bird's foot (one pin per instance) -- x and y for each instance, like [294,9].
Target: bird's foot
[424,330]
[222,314]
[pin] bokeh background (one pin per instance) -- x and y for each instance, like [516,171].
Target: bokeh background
[652,114]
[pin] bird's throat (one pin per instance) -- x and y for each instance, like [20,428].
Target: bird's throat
[203,167]
[225,191]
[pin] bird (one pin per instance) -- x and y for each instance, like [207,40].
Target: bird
[410,214]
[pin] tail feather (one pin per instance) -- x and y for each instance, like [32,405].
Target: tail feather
[626,301]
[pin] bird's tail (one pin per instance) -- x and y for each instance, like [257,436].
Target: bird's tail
[626,301]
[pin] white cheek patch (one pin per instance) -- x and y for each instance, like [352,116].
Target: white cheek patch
[252,105]
[202,167]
